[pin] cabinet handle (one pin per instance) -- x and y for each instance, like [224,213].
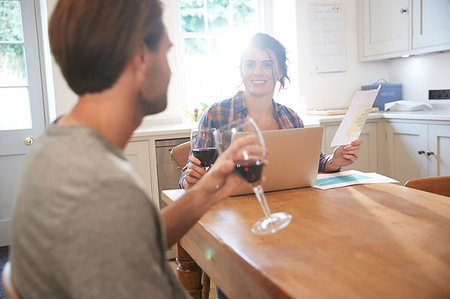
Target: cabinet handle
[403,10]
[421,152]
[430,153]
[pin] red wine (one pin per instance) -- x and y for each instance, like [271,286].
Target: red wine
[250,170]
[207,156]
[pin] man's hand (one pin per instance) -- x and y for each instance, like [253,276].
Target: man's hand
[344,155]
[220,181]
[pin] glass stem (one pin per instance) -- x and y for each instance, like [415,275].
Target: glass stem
[259,192]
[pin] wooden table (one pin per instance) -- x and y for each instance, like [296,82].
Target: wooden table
[363,241]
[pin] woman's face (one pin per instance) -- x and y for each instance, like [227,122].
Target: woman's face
[260,72]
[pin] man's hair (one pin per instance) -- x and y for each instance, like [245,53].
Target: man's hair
[92,40]
[266,42]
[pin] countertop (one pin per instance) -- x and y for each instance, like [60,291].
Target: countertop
[438,113]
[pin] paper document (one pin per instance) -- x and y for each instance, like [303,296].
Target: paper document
[406,106]
[350,177]
[355,118]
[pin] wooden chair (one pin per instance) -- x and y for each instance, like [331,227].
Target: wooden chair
[180,153]
[7,283]
[186,267]
[438,184]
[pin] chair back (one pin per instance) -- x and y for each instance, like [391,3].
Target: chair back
[438,184]
[7,283]
[180,153]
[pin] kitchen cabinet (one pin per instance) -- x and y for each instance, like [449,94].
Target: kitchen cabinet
[368,154]
[138,153]
[431,23]
[417,149]
[392,28]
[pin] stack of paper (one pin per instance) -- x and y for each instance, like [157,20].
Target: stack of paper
[350,177]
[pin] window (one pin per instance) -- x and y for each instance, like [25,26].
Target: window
[14,114]
[214,33]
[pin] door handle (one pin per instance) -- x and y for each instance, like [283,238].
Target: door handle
[430,153]
[29,141]
[403,10]
[421,152]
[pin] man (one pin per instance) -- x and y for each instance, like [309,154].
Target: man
[83,225]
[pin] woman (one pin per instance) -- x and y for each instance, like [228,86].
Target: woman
[263,64]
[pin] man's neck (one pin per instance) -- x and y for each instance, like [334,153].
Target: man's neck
[112,113]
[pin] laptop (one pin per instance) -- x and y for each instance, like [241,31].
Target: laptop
[293,156]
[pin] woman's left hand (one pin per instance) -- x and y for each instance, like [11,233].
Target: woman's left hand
[344,155]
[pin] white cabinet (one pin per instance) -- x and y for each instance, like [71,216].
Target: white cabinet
[431,23]
[392,28]
[368,154]
[138,153]
[417,150]
[385,27]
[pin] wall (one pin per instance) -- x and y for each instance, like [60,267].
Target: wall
[65,98]
[418,74]
[333,90]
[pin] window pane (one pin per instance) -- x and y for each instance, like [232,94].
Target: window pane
[196,46]
[14,108]
[212,54]
[218,15]
[10,21]
[12,66]
[192,18]
[245,13]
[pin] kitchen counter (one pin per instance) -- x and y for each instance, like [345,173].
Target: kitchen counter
[168,130]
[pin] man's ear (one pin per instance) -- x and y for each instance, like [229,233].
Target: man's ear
[140,60]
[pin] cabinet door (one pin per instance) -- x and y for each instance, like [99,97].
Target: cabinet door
[407,146]
[431,23]
[386,26]
[438,154]
[367,160]
[137,153]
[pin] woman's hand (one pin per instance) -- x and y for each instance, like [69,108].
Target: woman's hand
[344,155]
[194,172]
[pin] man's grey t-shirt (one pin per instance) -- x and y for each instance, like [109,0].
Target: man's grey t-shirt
[83,224]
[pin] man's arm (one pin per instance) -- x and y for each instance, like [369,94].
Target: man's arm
[216,185]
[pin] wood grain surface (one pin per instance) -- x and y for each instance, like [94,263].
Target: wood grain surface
[363,241]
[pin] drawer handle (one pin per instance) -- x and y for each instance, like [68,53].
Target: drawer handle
[421,152]
[430,153]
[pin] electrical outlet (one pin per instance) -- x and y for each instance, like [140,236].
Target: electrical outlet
[439,94]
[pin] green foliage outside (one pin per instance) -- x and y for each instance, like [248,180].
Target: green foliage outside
[12,63]
[218,13]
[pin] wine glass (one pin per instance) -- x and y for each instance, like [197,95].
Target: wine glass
[203,146]
[249,165]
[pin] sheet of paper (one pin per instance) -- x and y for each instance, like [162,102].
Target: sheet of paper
[350,177]
[355,118]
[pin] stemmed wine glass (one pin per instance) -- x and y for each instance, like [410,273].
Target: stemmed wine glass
[249,165]
[203,146]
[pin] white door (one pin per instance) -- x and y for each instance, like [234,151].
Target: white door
[431,23]
[21,99]
[385,26]
[407,146]
[438,153]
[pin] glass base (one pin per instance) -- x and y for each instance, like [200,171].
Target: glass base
[271,225]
